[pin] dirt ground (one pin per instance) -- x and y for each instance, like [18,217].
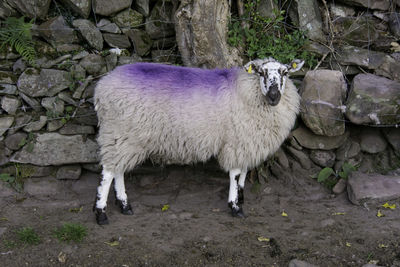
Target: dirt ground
[197,229]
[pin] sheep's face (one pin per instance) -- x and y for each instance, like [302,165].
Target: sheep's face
[273,77]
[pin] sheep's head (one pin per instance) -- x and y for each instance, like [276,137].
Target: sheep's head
[273,75]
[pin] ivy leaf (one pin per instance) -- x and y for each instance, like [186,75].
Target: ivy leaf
[324,174]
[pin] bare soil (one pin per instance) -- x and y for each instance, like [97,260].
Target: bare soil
[197,229]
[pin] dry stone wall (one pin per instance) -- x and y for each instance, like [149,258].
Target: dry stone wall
[350,106]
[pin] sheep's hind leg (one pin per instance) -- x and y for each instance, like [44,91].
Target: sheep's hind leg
[236,198]
[121,199]
[102,195]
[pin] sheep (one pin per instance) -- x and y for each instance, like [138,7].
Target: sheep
[185,115]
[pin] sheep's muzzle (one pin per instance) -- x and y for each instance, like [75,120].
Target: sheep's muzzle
[273,95]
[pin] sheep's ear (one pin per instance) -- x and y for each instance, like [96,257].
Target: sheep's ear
[295,65]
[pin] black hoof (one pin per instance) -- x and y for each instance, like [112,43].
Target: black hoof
[240,196]
[125,209]
[101,217]
[238,213]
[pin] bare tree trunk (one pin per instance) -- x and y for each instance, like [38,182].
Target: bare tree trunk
[201,31]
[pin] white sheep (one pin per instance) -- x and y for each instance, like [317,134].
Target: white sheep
[186,115]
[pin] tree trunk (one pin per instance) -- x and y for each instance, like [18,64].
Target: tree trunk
[201,32]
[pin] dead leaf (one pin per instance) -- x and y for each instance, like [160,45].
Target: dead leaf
[388,206]
[382,246]
[338,213]
[112,243]
[76,210]
[380,214]
[165,207]
[284,214]
[263,239]
[348,244]
[62,257]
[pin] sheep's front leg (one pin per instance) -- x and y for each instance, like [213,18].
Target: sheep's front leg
[102,195]
[236,198]
[120,195]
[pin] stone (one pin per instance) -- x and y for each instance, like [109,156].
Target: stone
[373,100]
[36,125]
[307,16]
[15,141]
[89,31]
[206,44]
[108,26]
[117,40]
[86,116]
[44,82]
[94,64]
[339,10]
[339,187]
[57,149]
[40,171]
[348,150]
[351,55]
[70,172]
[111,61]
[4,154]
[266,8]
[393,137]
[21,119]
[122,60]
[54,125]
[7,11]
[7,77]
[10,104]
[128,18]
[322,93]
[356,31]
[390,68]
[66,97]
[394,24]
[81,7]
[376,4]
[56,31]
[80,55]
[71,129]
[299,263]
[60,61]
[309,140]
[164,56]
[87,183]
[159,24]
[281,158]
[5,123]
[372,188]
[301,157]
[143,6]
[33,103]
[8,89]
[372,141]
[109,7]
[323,158]
[141,41]
[19,66]
[93,167]
[6,191]
[43,187]
[54,105]
[78,91]
[34,9]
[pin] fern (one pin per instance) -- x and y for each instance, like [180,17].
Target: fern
[17,34]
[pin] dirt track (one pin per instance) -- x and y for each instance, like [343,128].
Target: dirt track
[197,229]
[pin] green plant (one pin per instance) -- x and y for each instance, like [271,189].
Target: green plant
[16,33]
[28,141]
[329,177]
[268,37]
[71,232]
[27,235]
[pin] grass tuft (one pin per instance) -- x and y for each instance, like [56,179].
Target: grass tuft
[71,232]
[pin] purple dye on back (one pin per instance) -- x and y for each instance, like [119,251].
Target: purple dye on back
[174,79]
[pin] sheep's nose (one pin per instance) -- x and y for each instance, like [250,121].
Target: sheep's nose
[273,95]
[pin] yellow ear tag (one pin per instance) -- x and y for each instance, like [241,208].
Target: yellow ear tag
[294,65]
[250,70]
